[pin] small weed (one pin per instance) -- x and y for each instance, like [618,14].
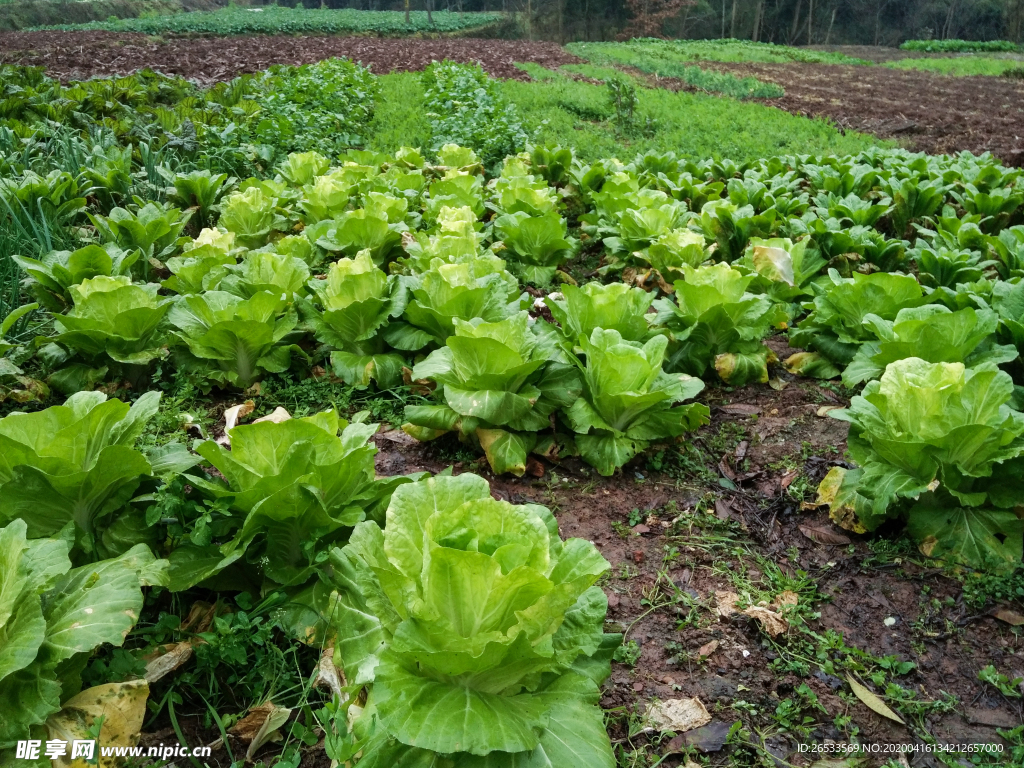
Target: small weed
[1006,686]
[628,653]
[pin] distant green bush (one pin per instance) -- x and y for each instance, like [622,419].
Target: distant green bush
[959,46]
[276,20]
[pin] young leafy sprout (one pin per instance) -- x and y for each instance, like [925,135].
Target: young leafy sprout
[477,632]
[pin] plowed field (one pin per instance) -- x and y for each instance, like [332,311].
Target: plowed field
[80,55]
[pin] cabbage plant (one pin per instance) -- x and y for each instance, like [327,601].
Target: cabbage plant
[497,386]
[945,434]
[836,326]
[349,312]
[933,333]
[114,320]
[466,290]
[359,230]
[615,306]
[628,400]
[475,630]
[153,229]
[731,227]
[52,616]
[251,216]
[788,268]
[295,488]
[715,321]
[200,190]
[535,246]
[265,271]
[51,276]
[1008,302]
[203,263]
[76,465]
[455,238]
[231,341]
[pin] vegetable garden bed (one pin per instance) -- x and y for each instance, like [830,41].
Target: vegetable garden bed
[426,456]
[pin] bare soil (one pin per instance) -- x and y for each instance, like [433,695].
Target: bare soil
[81,55]
[925,111]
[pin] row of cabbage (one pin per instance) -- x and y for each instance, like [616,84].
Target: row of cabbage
[422,265]
[398,270]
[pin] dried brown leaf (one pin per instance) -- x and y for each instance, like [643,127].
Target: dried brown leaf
[824,536]
[872,701]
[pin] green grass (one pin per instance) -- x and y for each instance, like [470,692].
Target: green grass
[959,46]
[293,21]
[580,115]
[960,66]
[655,58]
[399,118]
[742,50]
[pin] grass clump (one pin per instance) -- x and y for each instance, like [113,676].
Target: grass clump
[959,46]
[655,58]
[579,114]
[961,66]
[742,51]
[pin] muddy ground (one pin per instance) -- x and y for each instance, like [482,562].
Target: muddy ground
[80,55]
[924,111]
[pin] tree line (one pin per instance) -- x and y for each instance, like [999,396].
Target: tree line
[790,22]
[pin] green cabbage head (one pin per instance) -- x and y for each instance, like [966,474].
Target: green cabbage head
[477,631]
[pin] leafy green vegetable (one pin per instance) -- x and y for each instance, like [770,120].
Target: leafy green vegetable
[352,308]
[716,322]
[478,288]
[836,325]
[356,231]
[52,615]
[153,229]
[52,275]
[499,387]
[477,631]
[251,216]
[296,488]
[615,306]
[112,318]
[202,264]
[628,401]
[199,189]
[926,426]
[932,333]
[535,246]
[232,341]
[265,271]
[74,464]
